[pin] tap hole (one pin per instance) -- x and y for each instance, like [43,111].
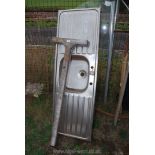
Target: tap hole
[92,67]
[90,83]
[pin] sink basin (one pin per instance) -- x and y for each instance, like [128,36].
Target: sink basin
[78,74]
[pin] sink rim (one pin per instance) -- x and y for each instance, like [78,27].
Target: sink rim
[77,57]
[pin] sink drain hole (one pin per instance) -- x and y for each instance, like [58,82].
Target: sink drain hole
[83,73]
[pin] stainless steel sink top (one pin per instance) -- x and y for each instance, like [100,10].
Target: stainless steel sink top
[78,102]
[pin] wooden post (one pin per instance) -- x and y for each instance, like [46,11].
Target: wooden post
[121,95]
